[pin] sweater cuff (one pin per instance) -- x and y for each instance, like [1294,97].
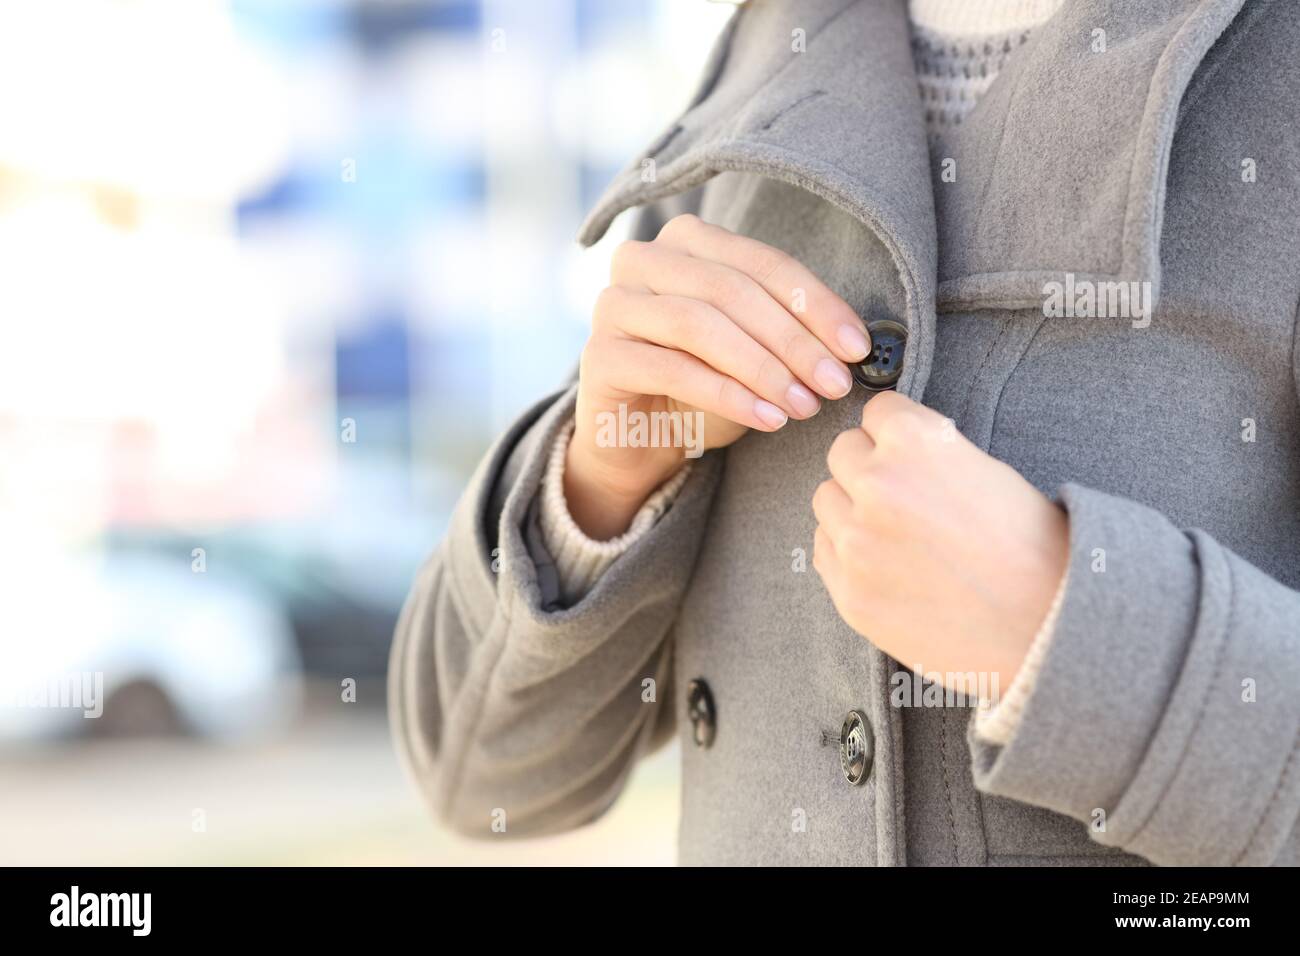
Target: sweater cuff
[997,724]
[580,561]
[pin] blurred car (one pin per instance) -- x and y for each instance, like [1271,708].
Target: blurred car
[338,627]
[339,578]
[150,645]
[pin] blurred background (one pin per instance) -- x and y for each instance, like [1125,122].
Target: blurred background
[274,273]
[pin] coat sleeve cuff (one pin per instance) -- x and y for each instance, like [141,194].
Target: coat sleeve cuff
[529,582]
[997,723]
[1164,713]
[579,560]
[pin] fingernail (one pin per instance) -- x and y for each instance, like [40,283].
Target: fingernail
[769,414]
[833,378]
[853,342]
[802,401]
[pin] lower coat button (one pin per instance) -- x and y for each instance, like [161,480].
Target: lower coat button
[702,713]
[857,747]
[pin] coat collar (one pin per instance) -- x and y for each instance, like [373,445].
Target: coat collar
[821,94]
[1062,165]
[1060,169]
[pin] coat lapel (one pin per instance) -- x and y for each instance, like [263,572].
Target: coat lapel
[840,117]
[1061,167]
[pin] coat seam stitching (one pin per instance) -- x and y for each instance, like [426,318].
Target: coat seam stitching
[947,786]
[1006,380]
[1272,802]
[981,370]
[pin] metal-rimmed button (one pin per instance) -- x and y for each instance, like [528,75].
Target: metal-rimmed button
[857,747]
[702,713]
[881,369]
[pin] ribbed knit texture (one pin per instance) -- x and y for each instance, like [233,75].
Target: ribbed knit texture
[997,724]
[579,560]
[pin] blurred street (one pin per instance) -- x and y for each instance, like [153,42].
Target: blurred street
[328,790]
[275,279]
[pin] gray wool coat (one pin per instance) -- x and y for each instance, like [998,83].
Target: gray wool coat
[1163,725]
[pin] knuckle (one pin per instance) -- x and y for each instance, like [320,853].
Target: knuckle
[890,424]
[673,365]
[835,453]
[606,306]
[792,344]
[678,225]
[662,365]
[821,553]
[768,370]
[822,542]
[766,262]
[841,448]
[870,487]
[727,396]
[879,406]
[881,494]
[854,541]
[625,253]
[889,429]
[675,316]
[592,362]
[870,413]
[726,289]
[819,495]
[890,414]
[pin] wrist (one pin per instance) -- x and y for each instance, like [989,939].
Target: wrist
[601,500]
[1053,561]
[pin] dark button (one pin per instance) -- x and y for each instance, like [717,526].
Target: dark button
[881,369]
[857,748]
[704,716]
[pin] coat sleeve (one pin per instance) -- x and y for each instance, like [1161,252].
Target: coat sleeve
[508,707]
[1167,708]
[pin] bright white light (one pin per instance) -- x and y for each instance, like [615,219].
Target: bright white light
[156,97]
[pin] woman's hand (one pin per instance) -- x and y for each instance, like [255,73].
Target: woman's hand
[699,320]
[944,557]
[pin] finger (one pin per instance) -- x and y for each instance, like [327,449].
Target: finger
[832,506]
[850,458]
[786,279]
[889,416]
[645,369]
[699,329]
[668,271]
[825,558]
